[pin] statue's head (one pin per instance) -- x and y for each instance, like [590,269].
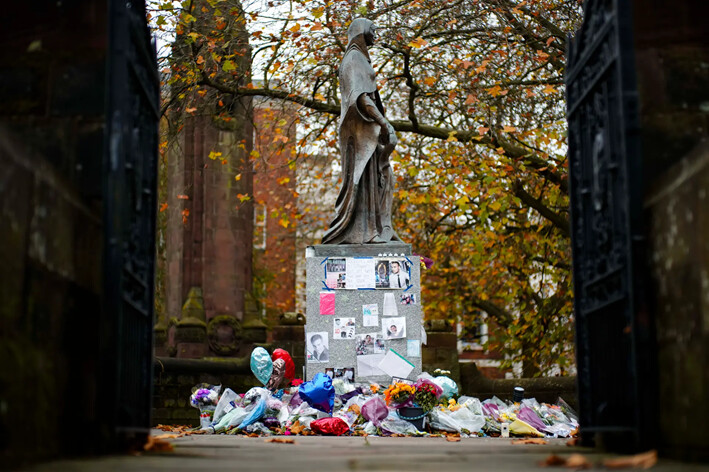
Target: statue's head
[361,26]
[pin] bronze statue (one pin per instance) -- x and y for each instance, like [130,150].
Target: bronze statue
[363,208]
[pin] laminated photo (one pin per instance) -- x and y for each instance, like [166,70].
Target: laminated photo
[335,270]
[330,372]
[370,343]
[402,380]
[381,275]
[346,374]
[343,328]
[408,298]
[394,328]
[370,315]
[399,273]
[317,347]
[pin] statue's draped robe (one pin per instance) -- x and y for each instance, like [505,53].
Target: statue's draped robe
[363,208]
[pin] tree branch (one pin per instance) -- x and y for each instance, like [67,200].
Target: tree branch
[502,316]
[557,220]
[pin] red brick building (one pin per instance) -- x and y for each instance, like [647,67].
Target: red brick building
[275,208]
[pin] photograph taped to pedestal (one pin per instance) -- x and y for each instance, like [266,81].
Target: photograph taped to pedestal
[335,272]
[399,273]
[382,273]
[318,347]
[370,343]
[345,373]
[394,328]
[370,315]
[343,328]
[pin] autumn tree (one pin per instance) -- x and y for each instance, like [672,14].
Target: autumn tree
[475,90]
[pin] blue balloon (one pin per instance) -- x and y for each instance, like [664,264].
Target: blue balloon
[319,392]
[448,385]
[261,364]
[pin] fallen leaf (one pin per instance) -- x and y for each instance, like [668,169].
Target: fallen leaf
[552,461]
[452,438]
[577,461]
[297,428]
[529,441]
[157,445]
[280,440]
[574,461]
[643,461]
[168,436]
[573,442]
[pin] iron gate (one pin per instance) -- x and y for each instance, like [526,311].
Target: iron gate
[130,178]
[613,330]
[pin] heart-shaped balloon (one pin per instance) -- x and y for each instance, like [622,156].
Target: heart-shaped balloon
[279,370]
[290,365]
[319,392]
[448,385]
[261,365]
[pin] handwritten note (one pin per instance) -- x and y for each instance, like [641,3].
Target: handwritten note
[360,273]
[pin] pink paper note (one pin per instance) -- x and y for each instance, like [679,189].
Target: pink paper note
[327,303]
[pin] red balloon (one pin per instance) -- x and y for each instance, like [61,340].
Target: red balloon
[290,365]
[329,426]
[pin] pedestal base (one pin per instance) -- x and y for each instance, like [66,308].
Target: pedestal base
[348,347]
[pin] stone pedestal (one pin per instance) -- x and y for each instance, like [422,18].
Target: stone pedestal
[349,304]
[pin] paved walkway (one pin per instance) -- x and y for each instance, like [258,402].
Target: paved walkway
[223,453]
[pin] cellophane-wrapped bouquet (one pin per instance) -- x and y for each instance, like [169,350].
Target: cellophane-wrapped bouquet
[205,397]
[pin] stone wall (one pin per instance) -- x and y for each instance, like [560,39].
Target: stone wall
[51,151]
[679,241]
[441,349]
[174,379]
[544,389]
[672,53]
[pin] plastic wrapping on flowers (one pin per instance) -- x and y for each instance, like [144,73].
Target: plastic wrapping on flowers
[205,397]
[336,408]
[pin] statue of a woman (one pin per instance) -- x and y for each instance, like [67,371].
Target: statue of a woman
[363,208]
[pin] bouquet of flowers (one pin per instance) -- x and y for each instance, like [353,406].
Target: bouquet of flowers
[426,395]
[399,394]
[205,398]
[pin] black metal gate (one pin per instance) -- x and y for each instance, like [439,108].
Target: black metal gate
[613,329]
[130,177]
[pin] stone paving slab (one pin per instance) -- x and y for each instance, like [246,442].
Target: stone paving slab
[320,454]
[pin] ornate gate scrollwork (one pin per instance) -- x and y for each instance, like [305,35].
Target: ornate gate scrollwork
[613,349]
